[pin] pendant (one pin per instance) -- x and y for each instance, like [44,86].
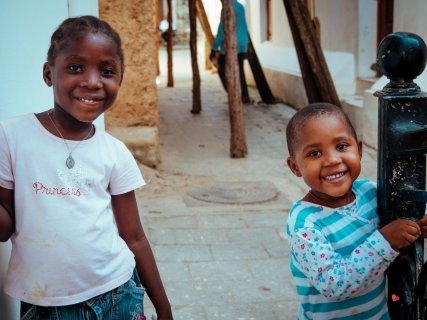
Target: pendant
[69,162]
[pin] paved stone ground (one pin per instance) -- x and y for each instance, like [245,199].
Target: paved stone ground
[221,259]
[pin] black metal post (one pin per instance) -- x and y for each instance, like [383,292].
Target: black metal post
[402,145]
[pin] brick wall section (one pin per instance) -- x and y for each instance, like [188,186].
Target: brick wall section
[136,104]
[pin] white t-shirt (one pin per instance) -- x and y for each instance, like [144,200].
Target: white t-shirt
[66,248]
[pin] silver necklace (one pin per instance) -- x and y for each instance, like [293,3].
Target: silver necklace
[70,160]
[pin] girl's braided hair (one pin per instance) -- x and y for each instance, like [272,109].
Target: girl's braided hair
[73,27]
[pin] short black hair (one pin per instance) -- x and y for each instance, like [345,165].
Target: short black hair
[308,112]
[73,27]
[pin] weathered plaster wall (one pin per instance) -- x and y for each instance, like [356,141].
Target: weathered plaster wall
[338,24]
[338,19]
[410,16]
[182,22]
[281,33]
[136,104]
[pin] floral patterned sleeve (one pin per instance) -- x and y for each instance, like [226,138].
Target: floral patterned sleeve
[335,275]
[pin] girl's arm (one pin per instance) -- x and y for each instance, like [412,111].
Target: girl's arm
[7,216]
[130,229]
[335,275]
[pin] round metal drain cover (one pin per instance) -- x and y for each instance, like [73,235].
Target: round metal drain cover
[236,192]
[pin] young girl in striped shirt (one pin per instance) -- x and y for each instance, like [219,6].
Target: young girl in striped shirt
[339,252]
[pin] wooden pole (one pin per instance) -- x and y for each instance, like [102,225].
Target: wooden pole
[260,80]
[238,148]
[206,27]
[169,45]
[314,70]
[204,22]
[156,33]
[197,103]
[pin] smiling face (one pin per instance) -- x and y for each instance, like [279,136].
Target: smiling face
[327,156]
[86,76]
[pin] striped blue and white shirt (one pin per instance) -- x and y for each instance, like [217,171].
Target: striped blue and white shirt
[339,258]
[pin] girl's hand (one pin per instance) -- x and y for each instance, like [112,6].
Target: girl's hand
[401,233]
[423,225]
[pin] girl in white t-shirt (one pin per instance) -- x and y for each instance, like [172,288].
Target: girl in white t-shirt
[78,248]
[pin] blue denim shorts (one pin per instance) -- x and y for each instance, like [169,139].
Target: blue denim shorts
[122,303]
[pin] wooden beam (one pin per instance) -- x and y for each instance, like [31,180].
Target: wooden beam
[314,69]
[197,103]
[238,148]
[169,45]
[258,73]
[204,22]
[206,27]
[156,33]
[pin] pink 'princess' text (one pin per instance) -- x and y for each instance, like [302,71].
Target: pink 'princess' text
[40,188]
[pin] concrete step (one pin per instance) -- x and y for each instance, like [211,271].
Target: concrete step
[143,142]
[363,84]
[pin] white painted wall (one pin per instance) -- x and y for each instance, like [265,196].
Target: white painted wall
[338,24]
[281,33]
[263,21]
[410,16]
[340,21]
[256,17]
[367,42]
[213,12]
[25,30]
[25,38]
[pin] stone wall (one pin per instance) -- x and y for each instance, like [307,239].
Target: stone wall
[136,104]
[182,23]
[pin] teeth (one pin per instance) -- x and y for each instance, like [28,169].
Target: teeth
[335,176]
[87,100]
